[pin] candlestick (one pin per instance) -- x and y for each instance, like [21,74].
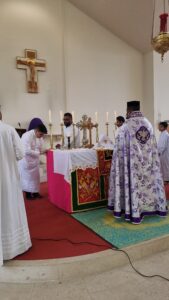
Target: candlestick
[74,142]
[62,133]
[107,116]
[107,128]
[51,136]
[115,117]
[96,117]
[97,132]
[61,116]
[50,117]
[73,117]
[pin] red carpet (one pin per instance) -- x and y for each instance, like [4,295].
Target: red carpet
[46,221]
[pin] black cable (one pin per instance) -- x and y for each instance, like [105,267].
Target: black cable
[138,272]
[71,242]
[114,249]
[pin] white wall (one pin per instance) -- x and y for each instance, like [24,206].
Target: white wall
[34,25]
[148,98]
[102,72]
[161,87]
[88,68]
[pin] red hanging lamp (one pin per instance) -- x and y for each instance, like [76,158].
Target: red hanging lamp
[160,42]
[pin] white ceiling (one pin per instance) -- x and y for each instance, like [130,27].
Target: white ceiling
[130,20]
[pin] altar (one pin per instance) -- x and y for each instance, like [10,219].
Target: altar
[78,178]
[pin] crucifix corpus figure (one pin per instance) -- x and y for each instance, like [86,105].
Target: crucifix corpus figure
[32,65]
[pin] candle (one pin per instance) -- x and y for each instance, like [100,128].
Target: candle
[73,117]
[115,115]
[96,116]
[107,116]
[61,116]
[50,117]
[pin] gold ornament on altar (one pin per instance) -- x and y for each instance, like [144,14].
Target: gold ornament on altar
[86,124]
[160,42]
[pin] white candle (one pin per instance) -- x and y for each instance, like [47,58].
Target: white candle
[96,116]
[61,116]
[50,117]
[73,117]
[107,116]
[115,115]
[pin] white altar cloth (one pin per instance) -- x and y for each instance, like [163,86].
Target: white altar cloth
[66,161]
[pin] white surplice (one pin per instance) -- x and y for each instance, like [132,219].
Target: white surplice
[68,132]
[29,165]
[14,232]
[163,150]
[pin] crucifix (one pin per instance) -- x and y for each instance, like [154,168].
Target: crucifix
[86,124]
[32,65]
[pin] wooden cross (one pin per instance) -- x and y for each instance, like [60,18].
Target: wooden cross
[32,65]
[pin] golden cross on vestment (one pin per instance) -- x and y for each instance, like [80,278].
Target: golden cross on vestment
[32,65]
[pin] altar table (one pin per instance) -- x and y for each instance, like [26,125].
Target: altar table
[78,179]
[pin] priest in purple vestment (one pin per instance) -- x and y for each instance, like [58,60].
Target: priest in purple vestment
[136,185]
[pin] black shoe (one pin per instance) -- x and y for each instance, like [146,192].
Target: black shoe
[37,195]
[29,196]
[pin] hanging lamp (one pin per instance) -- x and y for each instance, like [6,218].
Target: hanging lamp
[160,42]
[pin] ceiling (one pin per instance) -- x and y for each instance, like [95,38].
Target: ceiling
[130,20]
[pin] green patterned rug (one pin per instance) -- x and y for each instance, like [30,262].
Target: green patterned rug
[120,233]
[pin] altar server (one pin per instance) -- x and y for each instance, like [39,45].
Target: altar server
[104,142]
[33,144]
[120,120]
[136,185]
[163,150]
[14,232]
[68,132]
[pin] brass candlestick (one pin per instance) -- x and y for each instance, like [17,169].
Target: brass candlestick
[62,133]
[74,142]
[97,132]
[51,136]
[107,128]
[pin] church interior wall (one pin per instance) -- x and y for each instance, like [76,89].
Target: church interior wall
[161,88]
[148,87]
[88,68]
[102,71]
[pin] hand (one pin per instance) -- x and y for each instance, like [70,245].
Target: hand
[44,151]
[58,146]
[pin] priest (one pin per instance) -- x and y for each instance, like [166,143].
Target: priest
[68,132]
[136,185]
[14,232]
[33,144]
[163,149]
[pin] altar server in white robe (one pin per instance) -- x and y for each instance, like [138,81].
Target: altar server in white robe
[33,144]
[68,132]
[14,232]
[136,186]
[104,142]
[163,150]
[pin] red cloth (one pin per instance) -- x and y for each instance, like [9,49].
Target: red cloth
[59,189]
[163,22]
[166,185]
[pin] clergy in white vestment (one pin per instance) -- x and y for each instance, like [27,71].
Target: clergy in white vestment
[33,144]
[104,142]
[14,232]
[163,150]
[136,185]
[68,132]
